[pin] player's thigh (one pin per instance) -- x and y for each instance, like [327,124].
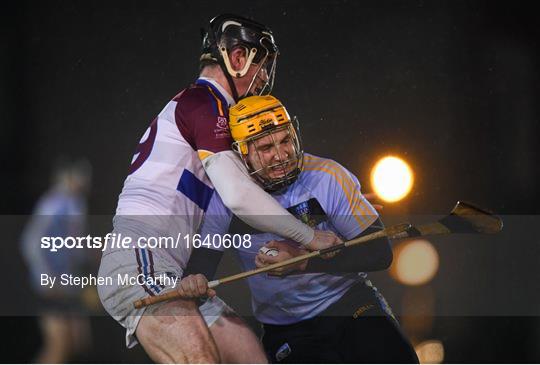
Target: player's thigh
[118,295]
[174,332]
[236,342]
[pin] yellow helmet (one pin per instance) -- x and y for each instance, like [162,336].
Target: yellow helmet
[257,117]
[254,115]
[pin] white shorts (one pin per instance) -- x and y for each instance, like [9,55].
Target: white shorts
[118,297]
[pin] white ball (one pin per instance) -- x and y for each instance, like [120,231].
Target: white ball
[268,251]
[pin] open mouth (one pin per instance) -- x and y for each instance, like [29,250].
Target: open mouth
[281,169]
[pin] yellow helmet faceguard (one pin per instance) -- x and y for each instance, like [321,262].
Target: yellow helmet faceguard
[267,140]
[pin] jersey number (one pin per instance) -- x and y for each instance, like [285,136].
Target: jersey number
[144,148]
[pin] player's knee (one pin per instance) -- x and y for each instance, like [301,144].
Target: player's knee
[174,332]
[236,342]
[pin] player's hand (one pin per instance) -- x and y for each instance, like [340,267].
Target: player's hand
[324,239]
[195,286]
[286,251]
[372,197]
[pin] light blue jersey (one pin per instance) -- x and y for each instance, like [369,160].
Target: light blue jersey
[328,197]
[57,214]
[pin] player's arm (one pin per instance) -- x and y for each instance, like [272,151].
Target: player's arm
[371,256]
[239,192]
[201,268]
[253,205]
[353,216]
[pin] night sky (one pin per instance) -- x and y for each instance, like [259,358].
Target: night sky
[450,86]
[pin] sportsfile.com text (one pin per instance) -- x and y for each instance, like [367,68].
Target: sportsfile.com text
[114,240]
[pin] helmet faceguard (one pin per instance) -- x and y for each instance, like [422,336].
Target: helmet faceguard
[228,32]
[267,140]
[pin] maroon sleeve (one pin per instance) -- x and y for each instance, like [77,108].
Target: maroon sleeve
[203,120]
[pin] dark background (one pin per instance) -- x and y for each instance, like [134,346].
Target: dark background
[451,86]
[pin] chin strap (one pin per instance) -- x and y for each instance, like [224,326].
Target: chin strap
[230,80]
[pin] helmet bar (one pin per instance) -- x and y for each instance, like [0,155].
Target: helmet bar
[257,124]
[225,56]
[226,32]
[283,163]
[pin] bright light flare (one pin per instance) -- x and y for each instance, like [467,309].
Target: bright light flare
[391,179]
[430,352]
[416,262]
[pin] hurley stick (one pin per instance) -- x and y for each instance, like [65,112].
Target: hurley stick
[397,231]
[464,218]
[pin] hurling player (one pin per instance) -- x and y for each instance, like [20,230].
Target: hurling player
[183,158]
[324,311]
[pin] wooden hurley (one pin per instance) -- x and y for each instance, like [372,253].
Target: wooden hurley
[464,218]
[398,231]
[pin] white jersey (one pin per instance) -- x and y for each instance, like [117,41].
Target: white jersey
[167,188]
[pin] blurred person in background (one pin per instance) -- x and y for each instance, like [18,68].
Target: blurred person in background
[60,212]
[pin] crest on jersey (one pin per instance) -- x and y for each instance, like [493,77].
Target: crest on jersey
[222,123]
[222,128]
[309,212]
[303,213]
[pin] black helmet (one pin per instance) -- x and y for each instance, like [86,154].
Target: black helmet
[226,32]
